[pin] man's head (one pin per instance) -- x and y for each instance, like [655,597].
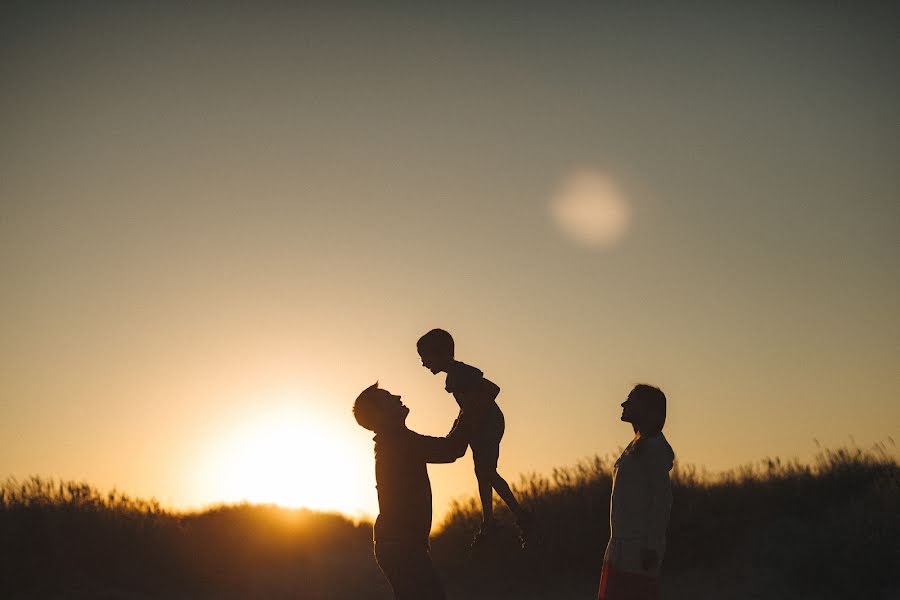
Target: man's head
[645,408]
[436,350]
[378,410]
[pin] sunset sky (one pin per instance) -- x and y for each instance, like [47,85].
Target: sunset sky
[219,223]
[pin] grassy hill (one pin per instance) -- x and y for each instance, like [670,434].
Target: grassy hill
[830,529]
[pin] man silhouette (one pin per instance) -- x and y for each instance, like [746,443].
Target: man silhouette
[404,492]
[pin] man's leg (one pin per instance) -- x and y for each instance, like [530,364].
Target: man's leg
[390,559]
[428,585]
[409,571]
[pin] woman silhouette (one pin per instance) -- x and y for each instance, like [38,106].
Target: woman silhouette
[640,502]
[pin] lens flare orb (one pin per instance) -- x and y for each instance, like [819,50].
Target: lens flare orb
[590,209]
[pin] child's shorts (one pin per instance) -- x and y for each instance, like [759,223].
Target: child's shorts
[487,432]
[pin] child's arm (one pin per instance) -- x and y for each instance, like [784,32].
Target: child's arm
[489,389]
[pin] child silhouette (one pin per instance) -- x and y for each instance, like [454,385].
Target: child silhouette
[483,422]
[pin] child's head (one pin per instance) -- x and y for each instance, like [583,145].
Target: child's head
[377,410]
[436,350]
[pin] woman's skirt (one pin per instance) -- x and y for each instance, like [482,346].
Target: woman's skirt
[623,577]
[616,584]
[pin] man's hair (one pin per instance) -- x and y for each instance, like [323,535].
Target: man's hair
[365,409]
[436,341]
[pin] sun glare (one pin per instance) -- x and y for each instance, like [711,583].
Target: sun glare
[294,461]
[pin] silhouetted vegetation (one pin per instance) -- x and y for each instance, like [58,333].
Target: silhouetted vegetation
[67,540]
[771,530]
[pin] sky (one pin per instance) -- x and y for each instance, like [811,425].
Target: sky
[220,222]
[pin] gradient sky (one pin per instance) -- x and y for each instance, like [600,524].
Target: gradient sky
[218,225]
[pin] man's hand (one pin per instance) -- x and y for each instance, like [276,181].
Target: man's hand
[649,559]
[459,437]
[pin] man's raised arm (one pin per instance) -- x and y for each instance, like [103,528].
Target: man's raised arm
[444,449]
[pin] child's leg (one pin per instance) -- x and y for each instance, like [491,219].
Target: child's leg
[486,491]
[499,484]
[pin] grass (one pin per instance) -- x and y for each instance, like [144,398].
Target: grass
[828,529]
[69,540]
[774,529]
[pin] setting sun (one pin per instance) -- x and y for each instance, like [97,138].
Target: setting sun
[292,460]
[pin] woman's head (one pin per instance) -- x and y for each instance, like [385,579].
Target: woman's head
[645,408]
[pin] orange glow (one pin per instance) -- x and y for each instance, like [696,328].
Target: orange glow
[290,459]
